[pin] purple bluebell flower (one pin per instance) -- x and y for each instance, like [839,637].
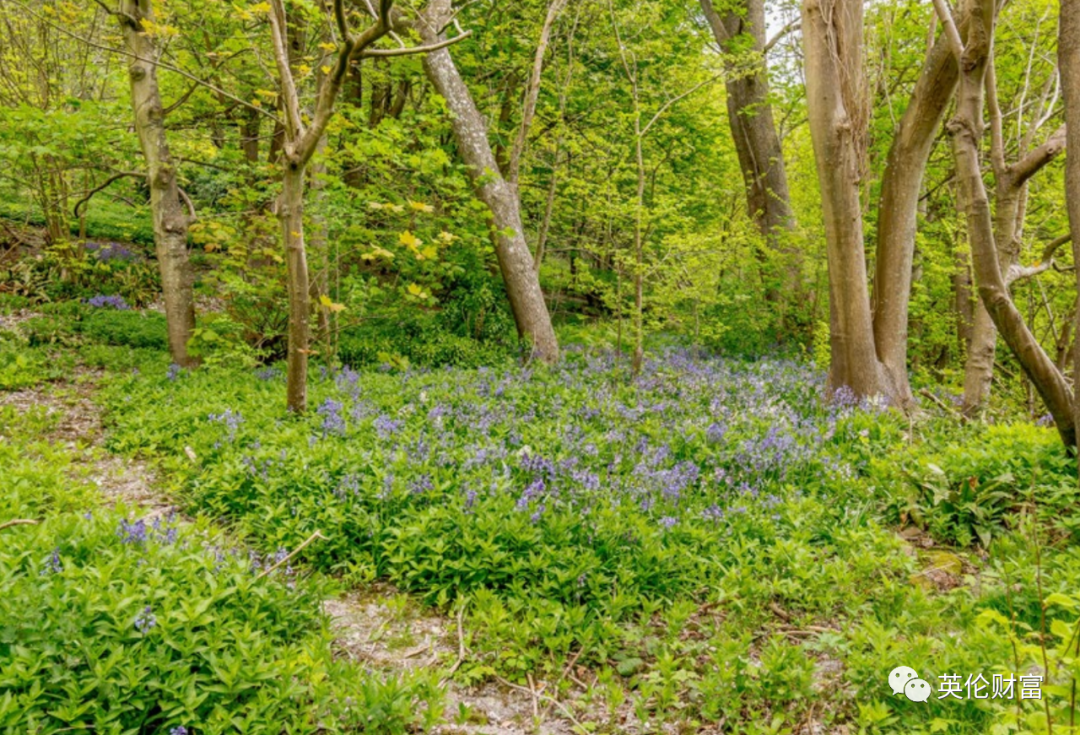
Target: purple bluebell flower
[145,620]
[180,730]
[132,533]
[385,426]
[53,565]
[332,420]
[111,302]
[668,521]
[174,371]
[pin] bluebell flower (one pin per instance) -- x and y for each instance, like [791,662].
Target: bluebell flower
[112,302]
[332,420]
[179,730]
[173,372]
[145,620]
[132,533]
[668,521]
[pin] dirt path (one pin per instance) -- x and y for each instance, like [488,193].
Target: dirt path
[377,627]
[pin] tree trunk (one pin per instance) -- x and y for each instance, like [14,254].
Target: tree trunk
[1069,65]
[966,129]
[169,216]
[470,132]
[898,211]
[753,131]
[838,115]
[291,215]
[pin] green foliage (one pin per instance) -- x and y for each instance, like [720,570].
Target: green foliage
[123,625]
[967,490]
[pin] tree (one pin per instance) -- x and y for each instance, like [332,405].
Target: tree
[1069,64]
[753,132]
[171,217]
[837,110]
[501,197]
[966,127]
[299,143]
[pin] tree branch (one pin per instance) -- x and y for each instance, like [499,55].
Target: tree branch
[154,62]
[290,102]
[716,23]
[532,91]
[793,25]
[108,182]
[1046,262]
[383,52]
[667,105]
[1038,157]
[949,26]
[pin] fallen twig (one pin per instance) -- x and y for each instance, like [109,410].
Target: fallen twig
[461,647]
[294,552]
[18,522]
[557,703]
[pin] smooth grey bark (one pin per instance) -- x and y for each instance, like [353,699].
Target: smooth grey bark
[768,199]
[838,116]
[898,211]
[170,217]
[470,132]
[966,129]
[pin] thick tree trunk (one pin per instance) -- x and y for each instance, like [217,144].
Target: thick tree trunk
[1069,66]
[169,215]
[898,211]
[470,132]
[837,110]
[753,131]
[291,215]
[966,129]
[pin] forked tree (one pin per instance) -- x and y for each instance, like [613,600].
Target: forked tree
[300,139]
[974,53]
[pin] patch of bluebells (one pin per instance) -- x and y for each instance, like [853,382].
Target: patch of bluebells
[231,419]
[110,251]
[332,420]
[108,302]
[690,440]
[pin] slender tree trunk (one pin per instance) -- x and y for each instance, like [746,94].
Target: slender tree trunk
[639,260]
[838,115]
[291,215]
[470,132]
[168,212]
[753,131]
[1069,65]
[898,211]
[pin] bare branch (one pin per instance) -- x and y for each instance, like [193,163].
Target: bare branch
[793,25]
[949,26]
[1038,157]
[532,90]
[290,101]
[997,136]
[108,182]
[1046,262]
[667,105]
[719,30]
[408,51]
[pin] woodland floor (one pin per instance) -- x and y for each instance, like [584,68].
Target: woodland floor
[377,626]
